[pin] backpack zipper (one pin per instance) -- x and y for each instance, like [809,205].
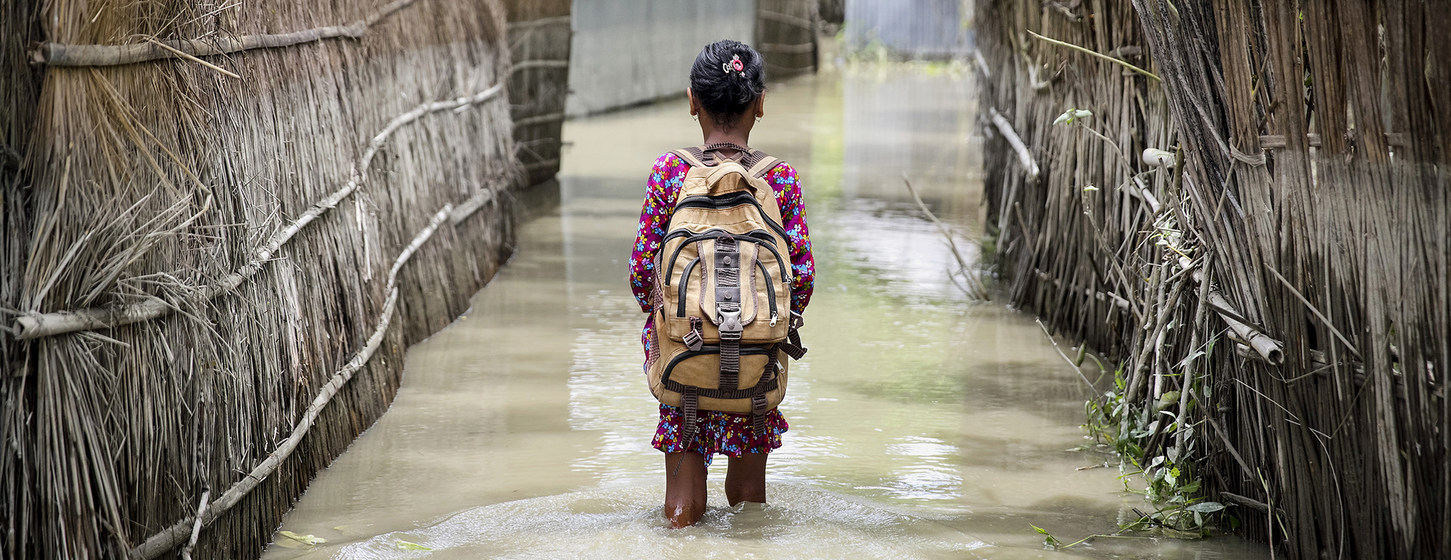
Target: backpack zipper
[707,349]
[719,202]
[684,286]
[712,234]
[770,291]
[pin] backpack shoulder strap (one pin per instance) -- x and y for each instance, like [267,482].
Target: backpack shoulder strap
[693,156]
[761,164]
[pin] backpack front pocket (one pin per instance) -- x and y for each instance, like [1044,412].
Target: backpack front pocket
[701,369]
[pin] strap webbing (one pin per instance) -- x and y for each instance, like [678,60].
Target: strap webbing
[692,156]
[762,164]
[689,406]
[792,347]
[728,309]
[758,414]
[756,162]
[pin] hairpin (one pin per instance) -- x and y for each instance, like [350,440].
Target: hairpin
[734,64]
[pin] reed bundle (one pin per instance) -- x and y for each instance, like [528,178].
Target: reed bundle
[207,275]
[786,36]
[1286,272]
[540,34]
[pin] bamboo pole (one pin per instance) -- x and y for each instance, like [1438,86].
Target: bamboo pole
[540,63]
[541,22]
[37,325]
[60,54]
[1268,348]
[786,19]
[1025,156]
[168,538]
[196,527]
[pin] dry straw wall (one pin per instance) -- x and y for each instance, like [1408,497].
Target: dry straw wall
[1281,272]
[540,34]
[786,33]
[223,223]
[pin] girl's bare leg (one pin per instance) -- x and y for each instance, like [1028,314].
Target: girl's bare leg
[685,488]
[746,479]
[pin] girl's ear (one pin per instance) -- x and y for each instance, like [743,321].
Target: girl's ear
[690,95]
[761,105]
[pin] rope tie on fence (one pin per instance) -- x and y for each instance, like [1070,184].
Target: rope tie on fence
[1257,160]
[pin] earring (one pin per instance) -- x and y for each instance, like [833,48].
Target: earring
[695,118]
[758,119]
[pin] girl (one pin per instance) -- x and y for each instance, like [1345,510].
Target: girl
[727,98]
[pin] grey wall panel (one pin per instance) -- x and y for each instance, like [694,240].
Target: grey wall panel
[912,28]
[631,51]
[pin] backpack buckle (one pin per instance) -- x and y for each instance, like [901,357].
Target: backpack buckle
[730,324]
[797,321]
[694,338]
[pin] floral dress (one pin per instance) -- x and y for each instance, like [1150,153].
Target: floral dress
[718,432]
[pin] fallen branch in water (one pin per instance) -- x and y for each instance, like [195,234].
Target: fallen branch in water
[1070,361]
[975,289]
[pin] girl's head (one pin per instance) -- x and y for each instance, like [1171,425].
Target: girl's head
[726,82]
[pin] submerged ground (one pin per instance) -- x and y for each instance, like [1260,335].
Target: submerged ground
[921,425]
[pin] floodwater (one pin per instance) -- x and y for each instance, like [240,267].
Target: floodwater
[922,426]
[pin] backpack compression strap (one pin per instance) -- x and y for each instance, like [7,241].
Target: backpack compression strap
[763,164]
[755,161]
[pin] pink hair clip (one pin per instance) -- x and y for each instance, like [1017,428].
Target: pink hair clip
[734,64]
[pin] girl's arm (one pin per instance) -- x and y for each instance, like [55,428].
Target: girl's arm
[784,181]
[660,190]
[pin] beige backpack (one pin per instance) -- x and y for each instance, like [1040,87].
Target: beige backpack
[722,293]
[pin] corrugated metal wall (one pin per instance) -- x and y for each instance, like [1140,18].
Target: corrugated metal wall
[910,28]
[632,51]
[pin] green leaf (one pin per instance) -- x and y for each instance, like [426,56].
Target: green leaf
[1206,507]
[405,545]
[1040,530]
[304,539]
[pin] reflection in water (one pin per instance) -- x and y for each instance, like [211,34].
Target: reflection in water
[916,420]
[626,523]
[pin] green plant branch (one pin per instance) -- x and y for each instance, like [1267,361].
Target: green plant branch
[1099,55]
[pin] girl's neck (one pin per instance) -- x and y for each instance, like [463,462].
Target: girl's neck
[733,137]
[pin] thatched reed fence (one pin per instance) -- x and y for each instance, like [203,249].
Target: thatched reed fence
[786,36]
[1256,233]
[540,34]
[222,226]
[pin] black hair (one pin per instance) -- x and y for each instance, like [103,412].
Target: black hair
[722,91]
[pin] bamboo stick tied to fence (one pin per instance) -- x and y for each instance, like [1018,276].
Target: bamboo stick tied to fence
[60,54]
[36,325]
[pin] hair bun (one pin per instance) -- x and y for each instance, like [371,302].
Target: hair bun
[726,78]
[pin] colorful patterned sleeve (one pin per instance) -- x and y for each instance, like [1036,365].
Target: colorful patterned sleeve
[660,190]
[793,215]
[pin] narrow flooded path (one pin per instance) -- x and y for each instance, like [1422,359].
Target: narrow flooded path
[921,425]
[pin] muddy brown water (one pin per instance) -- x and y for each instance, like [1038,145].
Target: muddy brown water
[922,426]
